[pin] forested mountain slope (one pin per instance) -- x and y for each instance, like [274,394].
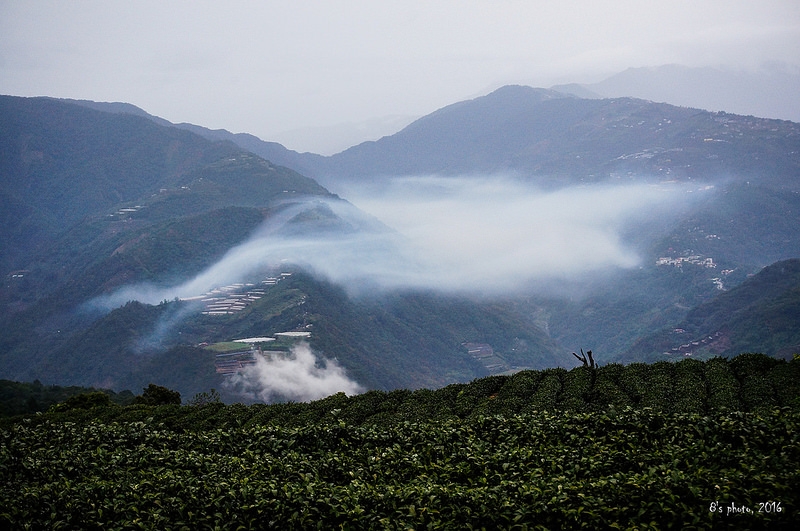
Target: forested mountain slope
[93,201]
[61,163]
[99,201]
[762,314]
[137,203]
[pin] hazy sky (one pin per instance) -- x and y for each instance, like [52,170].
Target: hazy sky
[267,67]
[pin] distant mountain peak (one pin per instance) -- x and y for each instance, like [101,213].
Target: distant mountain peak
[499,105]
[769,92]
[505,96]
[554,138]
[525,91]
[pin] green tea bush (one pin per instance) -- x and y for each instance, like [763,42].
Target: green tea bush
[631,469]
[551,449]
[722,385]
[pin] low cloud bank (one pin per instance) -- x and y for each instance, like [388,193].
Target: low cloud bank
[498,235]
[298,376]
[491,236]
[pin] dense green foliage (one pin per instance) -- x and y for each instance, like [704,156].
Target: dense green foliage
[631,469]
[537,450]
[748,382]
[21,398]
[157,395]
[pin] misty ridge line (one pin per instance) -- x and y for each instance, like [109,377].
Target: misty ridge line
[489,235]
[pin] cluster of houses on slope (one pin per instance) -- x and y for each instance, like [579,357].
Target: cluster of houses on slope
[229,363]
[681,260]
[124,214]
[486,356]
[696,260]
[687,349]
[18,274]
[234,298]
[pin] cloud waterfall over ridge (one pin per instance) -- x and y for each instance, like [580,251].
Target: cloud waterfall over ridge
[491,236]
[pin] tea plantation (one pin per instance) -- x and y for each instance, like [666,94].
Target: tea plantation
[688,445]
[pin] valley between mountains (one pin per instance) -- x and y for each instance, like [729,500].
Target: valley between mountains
[492,236]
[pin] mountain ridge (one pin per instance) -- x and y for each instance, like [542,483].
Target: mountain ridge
[710,88]
[217,194]
[272,151]
[562,138]
[525,131]
[62,162]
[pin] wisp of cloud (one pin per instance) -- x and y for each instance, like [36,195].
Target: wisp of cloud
[298,376]
[469,235]
[498,235]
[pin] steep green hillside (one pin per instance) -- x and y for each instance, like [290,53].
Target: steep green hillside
[738,225]
[93,201]
[763,313]
[61,163]
[407,340]
[46,316]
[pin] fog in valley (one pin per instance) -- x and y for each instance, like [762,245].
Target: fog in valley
[498,236]
[324,77]
[490,236]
